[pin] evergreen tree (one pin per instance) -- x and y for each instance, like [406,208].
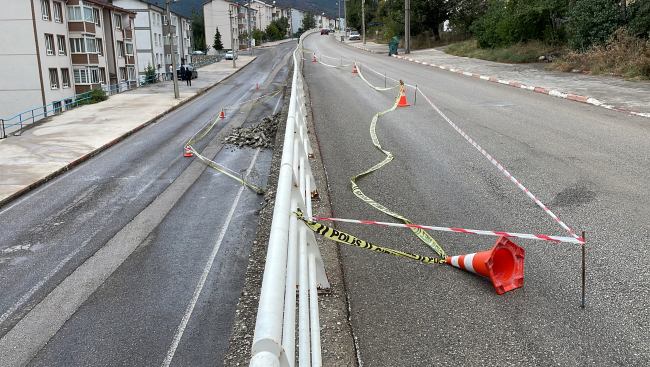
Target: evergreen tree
[217,41]
[308,21]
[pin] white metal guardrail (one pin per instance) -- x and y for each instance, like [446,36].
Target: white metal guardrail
[293,260]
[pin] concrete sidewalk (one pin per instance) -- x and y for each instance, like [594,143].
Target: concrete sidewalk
[608,92]
[54,145]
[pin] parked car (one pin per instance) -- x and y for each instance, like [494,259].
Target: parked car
[190,68]
[354,36]
[198,53]
[229,55]
[324,31]
[332,30]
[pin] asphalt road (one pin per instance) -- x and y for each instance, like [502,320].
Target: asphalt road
[137,257]
[588,165]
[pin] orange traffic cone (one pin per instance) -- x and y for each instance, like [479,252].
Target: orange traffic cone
[188,153]
[315,58]
[223,115]
[256,86]
[354,71]
[402,100]
[504,264]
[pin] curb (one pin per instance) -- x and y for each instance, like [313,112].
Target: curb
[93,153]
[550,92]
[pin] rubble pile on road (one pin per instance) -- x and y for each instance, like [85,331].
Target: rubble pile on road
[259,135]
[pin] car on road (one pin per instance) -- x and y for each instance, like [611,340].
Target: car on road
[332,30]
[188,68]
[229,55]
[354,36]
[324,31]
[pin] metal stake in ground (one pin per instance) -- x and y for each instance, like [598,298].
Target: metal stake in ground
[416,94]
[583,271]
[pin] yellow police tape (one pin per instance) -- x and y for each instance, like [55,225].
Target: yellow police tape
[349,239]
[424,236]
[372,86]
[214,165]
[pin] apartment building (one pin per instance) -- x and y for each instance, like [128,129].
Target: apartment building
[153,32]
[229,15]
[297,16]
[53,49]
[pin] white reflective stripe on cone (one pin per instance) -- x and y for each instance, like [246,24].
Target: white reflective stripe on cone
[469,258]
[454,261]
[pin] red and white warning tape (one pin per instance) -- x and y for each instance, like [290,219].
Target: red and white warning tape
[502,169]
[460,230]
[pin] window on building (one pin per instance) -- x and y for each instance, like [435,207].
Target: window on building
[160,39]
[175,40]
[120,49]
[91,44]
[54,79]
[100,46]
[168,58]
[57,107]
[164,20]
[80,76]
[77,46]
[58,12]
[96,15]
[130,72]
[74,13]
[122,74]
[174,20]
[61,43]
[128,44]
[118,22]
[45,7]
[65,78]
[89,15]
[49,44]
[166,40]
[93,74]
[102,76]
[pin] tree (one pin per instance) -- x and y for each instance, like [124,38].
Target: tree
[282,25]
[258,35]
[463,13]
[198,30]
[308,21]
[217,41]
[149,74]
[639,18]
[427,15]
[273,33]
[593,22]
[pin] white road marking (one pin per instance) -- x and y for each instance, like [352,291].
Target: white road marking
[204,276]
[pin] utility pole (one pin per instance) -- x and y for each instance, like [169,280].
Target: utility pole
[248,15]
[345,12]
[363,20]
[407,26]
[232,40]
[171,50]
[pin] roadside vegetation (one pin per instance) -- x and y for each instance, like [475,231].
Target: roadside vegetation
[609,37]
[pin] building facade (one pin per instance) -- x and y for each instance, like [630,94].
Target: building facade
[152,31]
[229,16]
[52,50]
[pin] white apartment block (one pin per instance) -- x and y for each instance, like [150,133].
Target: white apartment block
[152,31]
[53,49]
[228,16]
[297,16]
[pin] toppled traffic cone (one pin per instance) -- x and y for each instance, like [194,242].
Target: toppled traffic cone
[402,100]
[223,115]
[354,71]
[315,58]
[188,152]
[504,264]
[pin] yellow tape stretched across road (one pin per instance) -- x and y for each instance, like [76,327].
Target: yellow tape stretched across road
[215,165]
[349,239]
[372,86]
[424,236]
[328,65]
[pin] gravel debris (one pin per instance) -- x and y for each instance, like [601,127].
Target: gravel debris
[258,135]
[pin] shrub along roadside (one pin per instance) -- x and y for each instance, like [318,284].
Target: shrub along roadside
[518,53]
[623,55]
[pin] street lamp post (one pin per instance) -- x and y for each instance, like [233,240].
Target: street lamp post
[171,49]
[232,39]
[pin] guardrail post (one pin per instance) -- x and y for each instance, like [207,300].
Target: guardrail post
[2,123]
